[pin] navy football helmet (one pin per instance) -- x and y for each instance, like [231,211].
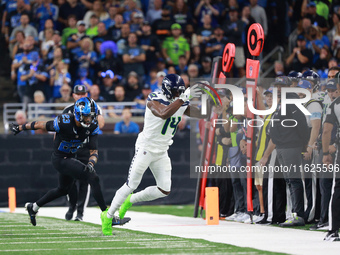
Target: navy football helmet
[85,111]
[313,77]
[171,85]
[294,76]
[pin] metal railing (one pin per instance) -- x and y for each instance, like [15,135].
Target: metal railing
[51,110]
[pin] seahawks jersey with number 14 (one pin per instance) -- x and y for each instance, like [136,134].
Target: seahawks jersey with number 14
[69,138]
[157,133]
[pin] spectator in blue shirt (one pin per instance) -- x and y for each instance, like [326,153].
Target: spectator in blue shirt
[126,126]
[83,80]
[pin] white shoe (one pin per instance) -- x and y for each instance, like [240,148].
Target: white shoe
[259,218]
[241,217]
[232,217]
[248,221]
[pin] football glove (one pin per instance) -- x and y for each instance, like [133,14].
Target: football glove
[14,128]
[185,96]
[89,168]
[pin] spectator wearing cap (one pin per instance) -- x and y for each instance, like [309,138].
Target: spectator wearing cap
[126,126]
[215,46]
[70,7]
[175,46]
[182,66]
[205,32]
[115,30]
[70,29]
[289,143]
[83,80]
[141,99]
[108,88]
[110,21]
[79,91]
[58,77]
[301,56]
[132,86]
[205,71]
[97,10]
[162,27]
[205,7]
[73,41]
[233,30]
[315,18]
[158,87]
[133,56]
[92,28]
[259,14]
[314,125]
[65,92]
[45,10]
[136,23]
[151,45]
[155,13]
[95,93]
[28,29]
[35,76]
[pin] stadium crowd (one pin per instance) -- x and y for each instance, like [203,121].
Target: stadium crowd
[121,50]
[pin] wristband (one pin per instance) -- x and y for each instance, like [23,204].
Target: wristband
[310,146]
[23,127]
[92,161]
[326,153]
[32,125]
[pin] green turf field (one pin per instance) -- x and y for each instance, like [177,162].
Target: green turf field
[55,236]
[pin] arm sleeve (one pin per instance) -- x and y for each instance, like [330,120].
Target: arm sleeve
[50,125]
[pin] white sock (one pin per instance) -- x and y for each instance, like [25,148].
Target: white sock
[119,199]
[35,207]
[148,194]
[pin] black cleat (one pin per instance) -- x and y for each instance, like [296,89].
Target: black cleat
[117,221]
[69,214]
[31,213]
[79,217]
[332,236]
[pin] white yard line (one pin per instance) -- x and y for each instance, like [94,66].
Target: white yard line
[267,238]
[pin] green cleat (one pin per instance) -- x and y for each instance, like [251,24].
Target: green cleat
[106,223]
[125,206]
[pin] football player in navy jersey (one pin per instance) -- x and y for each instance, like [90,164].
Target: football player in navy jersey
[71,131]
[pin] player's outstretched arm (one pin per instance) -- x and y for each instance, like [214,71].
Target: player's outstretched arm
[164,111]
[43,125]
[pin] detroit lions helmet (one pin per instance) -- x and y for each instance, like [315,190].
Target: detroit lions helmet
[172,86]
[85,111]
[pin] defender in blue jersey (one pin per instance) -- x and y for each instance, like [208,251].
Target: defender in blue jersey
[71,131]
